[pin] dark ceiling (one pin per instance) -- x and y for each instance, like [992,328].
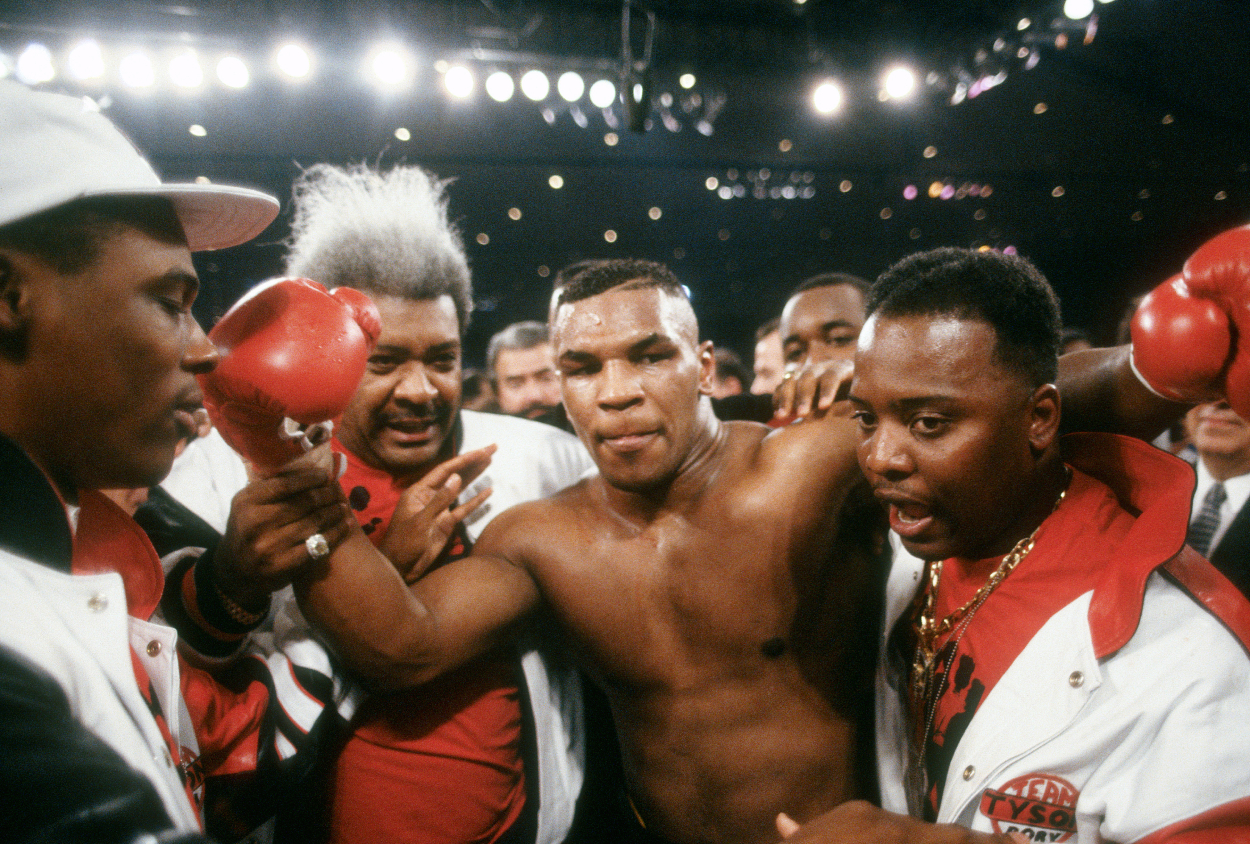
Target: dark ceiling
[1123,147]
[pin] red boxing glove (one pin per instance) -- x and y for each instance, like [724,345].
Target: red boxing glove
[1220,270]
[1180,343]
[289,350]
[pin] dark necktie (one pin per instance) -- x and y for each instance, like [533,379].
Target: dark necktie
[1204,527]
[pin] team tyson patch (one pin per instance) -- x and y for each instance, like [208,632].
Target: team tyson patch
[1042,807]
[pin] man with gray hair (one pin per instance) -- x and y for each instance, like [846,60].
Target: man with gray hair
[522,366]
[444,762]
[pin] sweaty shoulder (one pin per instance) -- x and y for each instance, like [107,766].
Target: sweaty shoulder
[820,451]
[531,532]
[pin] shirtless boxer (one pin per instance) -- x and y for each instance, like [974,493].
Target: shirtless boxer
[688,576]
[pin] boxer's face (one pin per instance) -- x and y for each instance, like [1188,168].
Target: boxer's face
[632,372]
[402,413]
[948,435]
[107,372]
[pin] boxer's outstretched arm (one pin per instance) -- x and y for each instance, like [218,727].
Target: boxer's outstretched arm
[1100,392]
[393,636]
[1186,345]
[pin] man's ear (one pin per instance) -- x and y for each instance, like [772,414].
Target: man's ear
[707,367]
[1044,417]
[13,305]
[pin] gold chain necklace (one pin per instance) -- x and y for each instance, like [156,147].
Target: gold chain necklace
[928,629]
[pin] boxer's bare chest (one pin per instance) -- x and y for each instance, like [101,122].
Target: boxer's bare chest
[726,585]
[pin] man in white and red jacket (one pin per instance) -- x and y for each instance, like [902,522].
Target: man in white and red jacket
[1060,667]
[105,733]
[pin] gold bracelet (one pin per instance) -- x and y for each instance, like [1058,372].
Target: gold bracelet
[235,611]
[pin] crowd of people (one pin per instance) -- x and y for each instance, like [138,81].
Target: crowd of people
[921,574]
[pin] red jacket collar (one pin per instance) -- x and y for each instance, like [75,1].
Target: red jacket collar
[1156,488]
[34,525]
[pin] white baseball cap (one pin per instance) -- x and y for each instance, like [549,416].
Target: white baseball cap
[56,148]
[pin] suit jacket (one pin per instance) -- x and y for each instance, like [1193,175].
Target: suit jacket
[1232,554]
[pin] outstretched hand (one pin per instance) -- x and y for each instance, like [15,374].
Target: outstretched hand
[426,515]
[810,391]
[270,521]
[858,822]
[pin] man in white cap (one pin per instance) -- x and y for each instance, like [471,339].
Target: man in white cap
[105,734]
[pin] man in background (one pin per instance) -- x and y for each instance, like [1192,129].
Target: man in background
[1219,526]
[767,365]
[523,370]
[731,377]
[822,318]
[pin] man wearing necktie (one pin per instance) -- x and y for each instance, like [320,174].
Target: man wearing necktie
[1219,527]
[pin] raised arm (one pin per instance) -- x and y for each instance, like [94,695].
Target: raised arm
[819,437]
[1100,392]
[1186,349]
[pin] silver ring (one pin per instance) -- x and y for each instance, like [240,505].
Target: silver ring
[317,547]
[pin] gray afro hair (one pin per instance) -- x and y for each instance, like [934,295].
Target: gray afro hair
[381,232]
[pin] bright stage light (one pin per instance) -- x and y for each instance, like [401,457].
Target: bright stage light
[294,61]
[686,80]
[500,87]
[390,66]
[136,70]
[534,85]
[1078,9]
[899,83]
[603,94]
[233,72]
[458,81]
[85,60]
[571,86]
[827,98]
[185,70]
[34,65]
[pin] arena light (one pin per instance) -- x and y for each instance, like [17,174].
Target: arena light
[500,87]
[458,81]
[603,93]
[534,85]
[185,70]
[136,70]
[85,60]
[34,65]
[1078,9]
[389,66]
[233,72]
[570,86]
[293,61]
[899,82]
[827,98]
